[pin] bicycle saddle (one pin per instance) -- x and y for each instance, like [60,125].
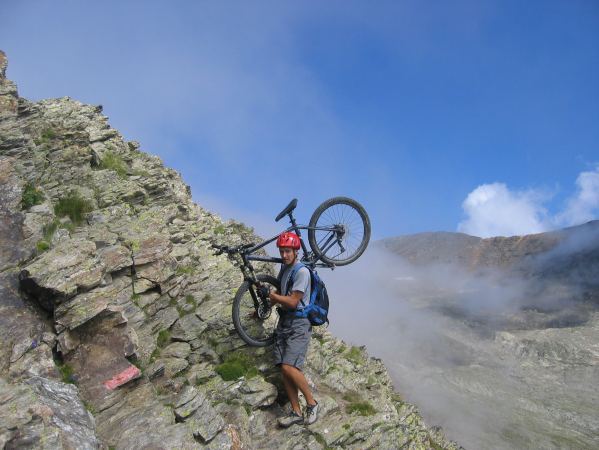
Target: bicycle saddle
[290,207]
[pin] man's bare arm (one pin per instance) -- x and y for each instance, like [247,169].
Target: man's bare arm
[288,301]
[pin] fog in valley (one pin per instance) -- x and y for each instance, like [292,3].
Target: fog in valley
[498,359]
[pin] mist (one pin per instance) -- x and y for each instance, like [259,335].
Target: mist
[453,338]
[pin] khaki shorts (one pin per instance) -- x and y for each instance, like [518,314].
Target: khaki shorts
[292,337]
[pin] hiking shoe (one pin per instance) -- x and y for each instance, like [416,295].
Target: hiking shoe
[311,414]
[289,419]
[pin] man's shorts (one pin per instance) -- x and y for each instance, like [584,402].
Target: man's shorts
[292,337]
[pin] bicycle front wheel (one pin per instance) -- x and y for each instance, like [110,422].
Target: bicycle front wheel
[339,231]
[255,325]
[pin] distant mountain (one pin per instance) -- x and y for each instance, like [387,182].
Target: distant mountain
[569,245]
[505,330]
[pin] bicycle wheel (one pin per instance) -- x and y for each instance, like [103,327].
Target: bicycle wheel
[339,231]
[256,328]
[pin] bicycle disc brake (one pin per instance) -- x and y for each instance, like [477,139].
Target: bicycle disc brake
[264,311]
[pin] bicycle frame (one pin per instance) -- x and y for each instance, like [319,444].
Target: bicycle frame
[308,259]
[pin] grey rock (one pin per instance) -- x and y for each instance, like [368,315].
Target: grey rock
[176,350]
[188,402]
[206,423]
[42,411]
[173,366]
[188,328]
[257,392]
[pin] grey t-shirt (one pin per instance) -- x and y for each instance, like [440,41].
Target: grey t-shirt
[301,283]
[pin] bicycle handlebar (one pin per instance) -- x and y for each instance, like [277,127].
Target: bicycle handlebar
[220,249]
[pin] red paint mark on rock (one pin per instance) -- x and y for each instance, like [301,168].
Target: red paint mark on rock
[130,373]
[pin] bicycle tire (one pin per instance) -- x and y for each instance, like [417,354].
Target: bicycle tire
[340,211]
[250,328]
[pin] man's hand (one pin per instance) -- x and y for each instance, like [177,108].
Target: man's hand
[264,291]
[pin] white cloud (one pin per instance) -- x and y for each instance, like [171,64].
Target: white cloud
[494,210]
[584,205]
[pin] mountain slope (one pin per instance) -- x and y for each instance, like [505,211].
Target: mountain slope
[508,335]
[115,315]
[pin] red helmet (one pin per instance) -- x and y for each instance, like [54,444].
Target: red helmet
[288,239]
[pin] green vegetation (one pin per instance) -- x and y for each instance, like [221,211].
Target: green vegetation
[48,134]
[89,407]
[41,246]
[341,348]
[190,300]
[48,230]
[66,372]
[31,196]
[355,355]
[114,162]
[355,404]
[182,311]
[346,426]
[137,363]
[185,270]
[237,365]
[164,337]
[322,441]
[219,229]
[155,355]
[74,206]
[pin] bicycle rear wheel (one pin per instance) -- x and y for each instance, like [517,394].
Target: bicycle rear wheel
[339,231]
[256,328]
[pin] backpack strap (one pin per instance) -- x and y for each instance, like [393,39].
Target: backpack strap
[291,279]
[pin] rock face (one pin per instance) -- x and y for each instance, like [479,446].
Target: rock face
[115,315]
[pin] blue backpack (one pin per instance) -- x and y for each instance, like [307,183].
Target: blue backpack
[318,308]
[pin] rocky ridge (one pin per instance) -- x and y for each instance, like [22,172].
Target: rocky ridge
[115,323]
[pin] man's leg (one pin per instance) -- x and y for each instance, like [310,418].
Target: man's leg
[297,380]
[290,389]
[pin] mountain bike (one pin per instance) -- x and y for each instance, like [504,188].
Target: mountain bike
[338,233]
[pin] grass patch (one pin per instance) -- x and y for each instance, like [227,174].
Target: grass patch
[31,196]
[355,355]
[155,355]
[341,348]
[48,233]
[346,426]
[164,337]
[41,246]
[48,134]
[190,300]
[181,311]
[74,206]
[185,270]
[219,229]
[67,374]
[357,405]
[89,407]
[114,162]
[237,365]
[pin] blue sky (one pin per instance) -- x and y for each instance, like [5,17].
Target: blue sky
[480,116]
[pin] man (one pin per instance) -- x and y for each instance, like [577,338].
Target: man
[293,333]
